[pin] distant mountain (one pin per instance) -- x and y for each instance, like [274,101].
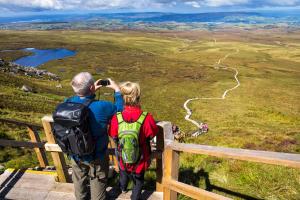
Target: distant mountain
[174,17]
[148,20]
[134,17]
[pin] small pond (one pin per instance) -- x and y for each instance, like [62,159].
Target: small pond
[41,56]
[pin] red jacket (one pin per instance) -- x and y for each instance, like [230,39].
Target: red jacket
[147,132]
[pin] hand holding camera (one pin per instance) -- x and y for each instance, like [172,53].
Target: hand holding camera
[107,83]
[104,82]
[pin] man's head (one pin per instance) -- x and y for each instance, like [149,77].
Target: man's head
[83,84]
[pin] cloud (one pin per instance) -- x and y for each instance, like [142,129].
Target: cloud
[194,4]
[38,5]
[41,4]
[283,2]
[218,3]
[77,4]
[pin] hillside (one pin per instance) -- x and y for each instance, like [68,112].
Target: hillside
[153,21]
[263,113]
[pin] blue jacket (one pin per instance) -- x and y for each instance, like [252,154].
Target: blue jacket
[100,115]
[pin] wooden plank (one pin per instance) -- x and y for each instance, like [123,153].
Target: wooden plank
[159,162]
[52,147]
[58,157]
[268,157]
[14,143]
[21,123]
[23,193]
[40,152]
[20,178]
[113,157]
[191,191]
[110,151]
[171,171]
[167,130]
[164,137]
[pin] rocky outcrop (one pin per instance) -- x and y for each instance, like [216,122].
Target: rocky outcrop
[14,69]
[26,88]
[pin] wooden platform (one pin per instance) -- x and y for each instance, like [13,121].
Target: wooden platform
[20,184]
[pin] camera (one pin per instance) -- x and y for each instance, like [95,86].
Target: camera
[104,82]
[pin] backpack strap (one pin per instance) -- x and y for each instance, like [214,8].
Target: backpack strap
[88,102]
[142,118]
[120,118]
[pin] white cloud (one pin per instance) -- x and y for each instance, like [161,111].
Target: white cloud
[42,4]
[218,3]
[284,2]
[194,4]
[79,4]
[135,4]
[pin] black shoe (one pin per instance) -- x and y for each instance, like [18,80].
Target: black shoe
[114,192]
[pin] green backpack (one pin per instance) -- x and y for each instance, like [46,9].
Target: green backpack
[128,134]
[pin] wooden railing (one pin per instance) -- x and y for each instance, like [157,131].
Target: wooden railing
[172,151]
[35,143]
[166,157]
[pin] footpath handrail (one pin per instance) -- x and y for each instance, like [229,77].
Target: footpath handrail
[35,142]
[267,157]
[22,123]
[171,165]
[14,143]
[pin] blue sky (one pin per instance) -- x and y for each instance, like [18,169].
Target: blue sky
[16,7]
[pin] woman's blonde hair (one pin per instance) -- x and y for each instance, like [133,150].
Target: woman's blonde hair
[131,93]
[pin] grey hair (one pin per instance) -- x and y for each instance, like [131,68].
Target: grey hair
[82,82]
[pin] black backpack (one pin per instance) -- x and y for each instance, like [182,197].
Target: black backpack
[71,128]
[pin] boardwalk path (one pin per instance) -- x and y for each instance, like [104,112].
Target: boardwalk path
[38,185]
[220,66]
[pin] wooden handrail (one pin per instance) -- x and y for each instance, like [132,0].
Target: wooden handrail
[21,123]
[171,165]
[14,143]
[111,151]
[191,191]
[35,140]
[267,157]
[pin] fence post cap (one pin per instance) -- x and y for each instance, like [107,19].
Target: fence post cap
[47,118]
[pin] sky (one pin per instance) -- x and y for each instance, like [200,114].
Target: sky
[19,7]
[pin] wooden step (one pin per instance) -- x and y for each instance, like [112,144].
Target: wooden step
[24,185]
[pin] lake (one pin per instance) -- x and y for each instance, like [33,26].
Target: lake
[41,56]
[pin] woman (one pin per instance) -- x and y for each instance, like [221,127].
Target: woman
[133,157]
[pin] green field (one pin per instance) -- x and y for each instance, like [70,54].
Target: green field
[263,113]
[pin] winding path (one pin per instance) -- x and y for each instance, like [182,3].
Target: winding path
[220,66]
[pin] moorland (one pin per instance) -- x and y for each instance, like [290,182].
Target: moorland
[173,66]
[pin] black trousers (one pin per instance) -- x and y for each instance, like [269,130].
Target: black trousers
[138,182]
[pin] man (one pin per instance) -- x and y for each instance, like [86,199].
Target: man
[93,169]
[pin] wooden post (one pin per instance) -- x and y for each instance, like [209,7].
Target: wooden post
[113,158]
[58,157]
[159,164]
[164,136]
[40,152]
[171,170]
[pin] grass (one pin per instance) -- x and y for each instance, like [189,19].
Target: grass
[263,113]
